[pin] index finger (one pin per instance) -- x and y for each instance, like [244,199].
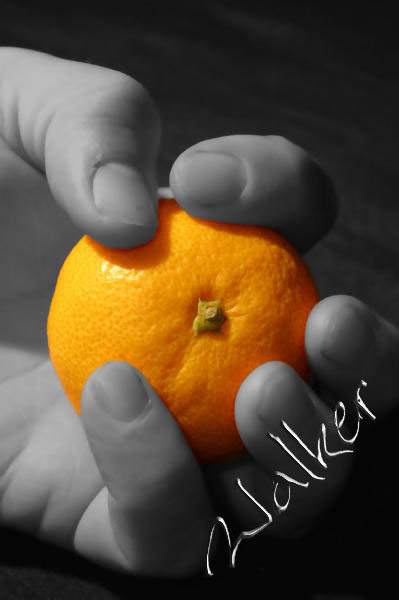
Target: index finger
[256,180]
[93,132]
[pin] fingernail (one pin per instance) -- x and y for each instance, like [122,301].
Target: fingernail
[348,338]
[120,192]
[120,392]
[284,398]
[211,178]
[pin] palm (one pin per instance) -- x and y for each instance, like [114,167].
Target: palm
[47,473]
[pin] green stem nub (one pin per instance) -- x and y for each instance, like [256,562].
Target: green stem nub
[210,316]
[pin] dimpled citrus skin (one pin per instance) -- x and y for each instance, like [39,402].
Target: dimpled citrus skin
[138,305]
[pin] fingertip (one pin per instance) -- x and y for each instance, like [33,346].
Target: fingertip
[282,408]
[100,161]
[122,410]
[116,234]
[202,180]
[112,401]
[347,342]
[120,391]
[342,321]
[110,230]
[124,204]
[255,395]
[120,192]
[257,180]
[112,203]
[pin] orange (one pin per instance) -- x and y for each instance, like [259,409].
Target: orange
[140,305]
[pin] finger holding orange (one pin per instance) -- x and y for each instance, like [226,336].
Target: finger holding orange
[257,180]
[195,310]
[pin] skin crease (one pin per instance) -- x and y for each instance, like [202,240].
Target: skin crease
[100,485]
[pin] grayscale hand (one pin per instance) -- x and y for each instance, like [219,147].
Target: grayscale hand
[78,147]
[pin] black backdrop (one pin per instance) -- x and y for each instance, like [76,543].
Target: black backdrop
[325,75]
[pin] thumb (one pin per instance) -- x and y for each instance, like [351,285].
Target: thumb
[95,134]
[156,504]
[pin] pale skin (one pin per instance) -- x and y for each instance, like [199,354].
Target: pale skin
[127,492]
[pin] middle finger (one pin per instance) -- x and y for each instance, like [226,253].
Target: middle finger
[290,431]
[256,180]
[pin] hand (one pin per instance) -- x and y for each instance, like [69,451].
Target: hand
[95,484]
[61,124]
[270,181]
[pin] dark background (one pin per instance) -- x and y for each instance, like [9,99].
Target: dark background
[324,75]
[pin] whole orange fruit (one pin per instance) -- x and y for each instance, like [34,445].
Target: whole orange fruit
[196,309]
